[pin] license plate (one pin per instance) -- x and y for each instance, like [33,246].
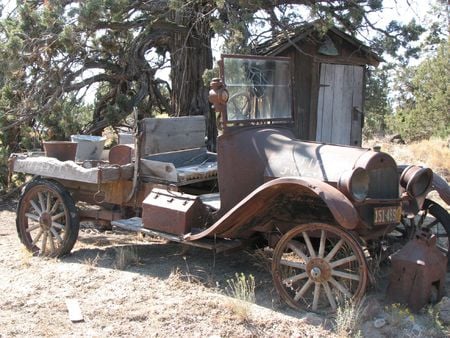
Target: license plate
[386,215]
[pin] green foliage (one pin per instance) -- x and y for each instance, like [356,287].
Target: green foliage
[423,103]
[377,105]
[68,117]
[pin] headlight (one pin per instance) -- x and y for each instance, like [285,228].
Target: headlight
[355,184]
[416,180]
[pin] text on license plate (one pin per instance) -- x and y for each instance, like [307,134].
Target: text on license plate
[387,215]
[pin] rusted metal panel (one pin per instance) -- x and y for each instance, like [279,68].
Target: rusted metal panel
[418,273]
[121,154]
[62,150]
[172,212]
[237,221]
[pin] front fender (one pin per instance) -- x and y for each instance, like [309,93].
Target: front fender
[442,187]
[258,202]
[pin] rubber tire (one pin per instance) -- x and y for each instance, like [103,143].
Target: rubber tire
[72,221]
[442,215]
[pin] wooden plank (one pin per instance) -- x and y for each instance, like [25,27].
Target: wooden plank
[321,102]
[169,134]
[328,86]
[338,122]
[73,307]
[357,102]
[343,111]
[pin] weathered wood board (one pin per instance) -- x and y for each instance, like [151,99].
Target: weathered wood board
[170,134]
[69,170]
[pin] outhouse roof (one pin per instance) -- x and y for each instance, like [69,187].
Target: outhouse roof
[289,38]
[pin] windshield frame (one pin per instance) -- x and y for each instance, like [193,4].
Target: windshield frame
[260,121]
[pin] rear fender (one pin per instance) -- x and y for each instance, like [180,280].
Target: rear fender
[239,219]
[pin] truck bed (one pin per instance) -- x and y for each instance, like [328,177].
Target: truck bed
[69,170]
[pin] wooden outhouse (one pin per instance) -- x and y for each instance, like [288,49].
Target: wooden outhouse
[329,80]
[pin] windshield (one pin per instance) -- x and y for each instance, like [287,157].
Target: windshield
[259,89]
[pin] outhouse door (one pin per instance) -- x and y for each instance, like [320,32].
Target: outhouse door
[339,109]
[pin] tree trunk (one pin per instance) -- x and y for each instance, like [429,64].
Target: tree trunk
[190,56]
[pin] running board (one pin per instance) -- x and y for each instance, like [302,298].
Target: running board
[216,244]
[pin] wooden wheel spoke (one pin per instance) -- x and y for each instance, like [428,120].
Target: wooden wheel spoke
[49,202]
[345,275]
[54,207]
[58,216]
[329,294]
[323,238]
[293,279]
[312,253]
[35,206]
[296,265]
[299,294]
[42,201]
[44,242]
[56,235]
[32,216]
[52,244]
[340,287]
[333,252]
[58,225]
[343,261]
[34,227]
[295,246]
[316,296]
[36,239]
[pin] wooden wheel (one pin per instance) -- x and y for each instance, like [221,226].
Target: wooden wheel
[47,220]
[432,217]
[316,266]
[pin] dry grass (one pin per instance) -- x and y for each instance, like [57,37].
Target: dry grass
[91,263]
[348,318]
[26,256]
[126,256]
[242,289]
[433,153]
[240,310]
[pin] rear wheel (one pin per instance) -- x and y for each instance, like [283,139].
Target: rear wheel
[316,266]
[47,220]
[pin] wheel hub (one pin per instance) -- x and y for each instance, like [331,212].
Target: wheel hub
[318,270]
[46,221]
[315,272]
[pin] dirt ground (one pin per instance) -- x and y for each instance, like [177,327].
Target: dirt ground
[127,285]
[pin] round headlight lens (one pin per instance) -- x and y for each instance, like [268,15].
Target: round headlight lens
[360,184]
[355,184]
[416,180]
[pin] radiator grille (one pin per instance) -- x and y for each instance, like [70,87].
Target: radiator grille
[383,183]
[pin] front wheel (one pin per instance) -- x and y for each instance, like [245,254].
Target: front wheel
[316,266]
[436,219]
[47,220]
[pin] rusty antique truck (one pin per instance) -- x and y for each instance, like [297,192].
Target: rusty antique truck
[319,208]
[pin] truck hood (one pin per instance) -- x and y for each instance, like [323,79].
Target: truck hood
[290,157]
